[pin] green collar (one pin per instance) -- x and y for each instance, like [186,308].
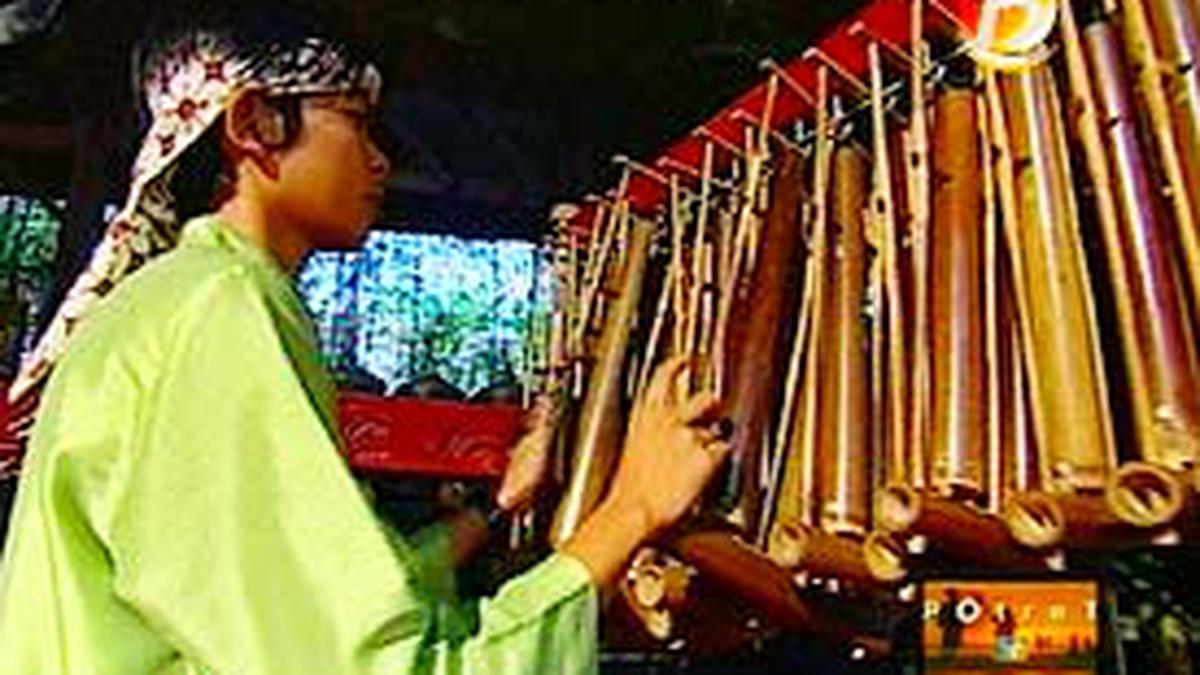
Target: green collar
[210,230]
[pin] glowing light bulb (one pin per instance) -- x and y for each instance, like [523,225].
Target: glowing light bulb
[1012,34]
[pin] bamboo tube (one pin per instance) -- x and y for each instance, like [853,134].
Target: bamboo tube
[678,279]
[799,491]
[666,309]
[958,439]
[873,233]
[1146,495]
[1023,466]
[994,336]
[784,475]
[1176,28]
[1020,462]
[699,251]
[1176,159]
[757,339]
[891,399]
[1158,345]
[745,252]
[798,547]
[707,314]
[601,421]
[726,218]
[918,182]
[1139,267]
[594,274]
[655,588]
[954,529]
[572,320]
[660,584]
[745,572]
[1069,395]
[885,556]
[808,429]
[845,467]
[1081,521]
[737,566]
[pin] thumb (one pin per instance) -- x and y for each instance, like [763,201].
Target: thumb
[510,492]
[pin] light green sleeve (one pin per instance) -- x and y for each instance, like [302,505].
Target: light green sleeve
[240,536]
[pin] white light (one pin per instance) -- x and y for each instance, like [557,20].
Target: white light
[1011,34]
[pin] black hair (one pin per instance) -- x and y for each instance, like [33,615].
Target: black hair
[202,177]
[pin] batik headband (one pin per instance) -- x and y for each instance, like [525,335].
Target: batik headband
[187,88]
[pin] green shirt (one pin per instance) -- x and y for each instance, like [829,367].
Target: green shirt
[184,507]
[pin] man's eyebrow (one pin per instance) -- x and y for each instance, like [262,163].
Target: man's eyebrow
[347,103]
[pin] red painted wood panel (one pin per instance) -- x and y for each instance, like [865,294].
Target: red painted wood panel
[401,436]
[889,19]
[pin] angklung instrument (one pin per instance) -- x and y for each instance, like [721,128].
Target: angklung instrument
[947,285]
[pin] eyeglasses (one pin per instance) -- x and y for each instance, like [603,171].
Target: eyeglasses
[364,116]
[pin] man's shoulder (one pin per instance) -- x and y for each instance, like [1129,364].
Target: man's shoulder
[185,282]
[184,276]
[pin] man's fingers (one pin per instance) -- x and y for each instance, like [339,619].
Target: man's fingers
[702,408]
[511,496]
[518,487]
[663,382]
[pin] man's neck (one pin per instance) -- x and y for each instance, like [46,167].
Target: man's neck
[252,220]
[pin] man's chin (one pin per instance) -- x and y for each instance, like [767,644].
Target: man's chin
[351,241]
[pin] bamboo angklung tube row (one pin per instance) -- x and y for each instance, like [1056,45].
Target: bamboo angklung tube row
[1055,305]
[1158,343]
[1152,324]
[934,488]
[829,544]
[946,515]
[1161,39]
[948,353]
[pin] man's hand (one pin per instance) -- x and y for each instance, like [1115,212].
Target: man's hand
[674,445]
[530,458]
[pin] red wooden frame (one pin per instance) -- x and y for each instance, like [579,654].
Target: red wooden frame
[434,438]
[401,436]
[887,19]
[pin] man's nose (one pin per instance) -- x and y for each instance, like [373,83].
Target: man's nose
[380,165]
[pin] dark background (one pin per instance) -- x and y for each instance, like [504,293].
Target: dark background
[500,107]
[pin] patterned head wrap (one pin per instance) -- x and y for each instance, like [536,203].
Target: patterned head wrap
[187,87]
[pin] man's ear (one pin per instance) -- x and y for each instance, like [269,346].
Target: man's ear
[254,130]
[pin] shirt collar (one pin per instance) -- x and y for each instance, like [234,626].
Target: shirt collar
[211,230]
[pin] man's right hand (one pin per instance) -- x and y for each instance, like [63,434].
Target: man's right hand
[674,446]
[672,449]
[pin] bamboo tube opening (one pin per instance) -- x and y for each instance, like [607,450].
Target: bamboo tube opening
[885,556]
[1145,495]
[1035,520]
[837,558]
[899,507]
[786,544]
[657,622]
[649,587]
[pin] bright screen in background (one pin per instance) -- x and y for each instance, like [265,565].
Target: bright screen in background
[1016,627]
